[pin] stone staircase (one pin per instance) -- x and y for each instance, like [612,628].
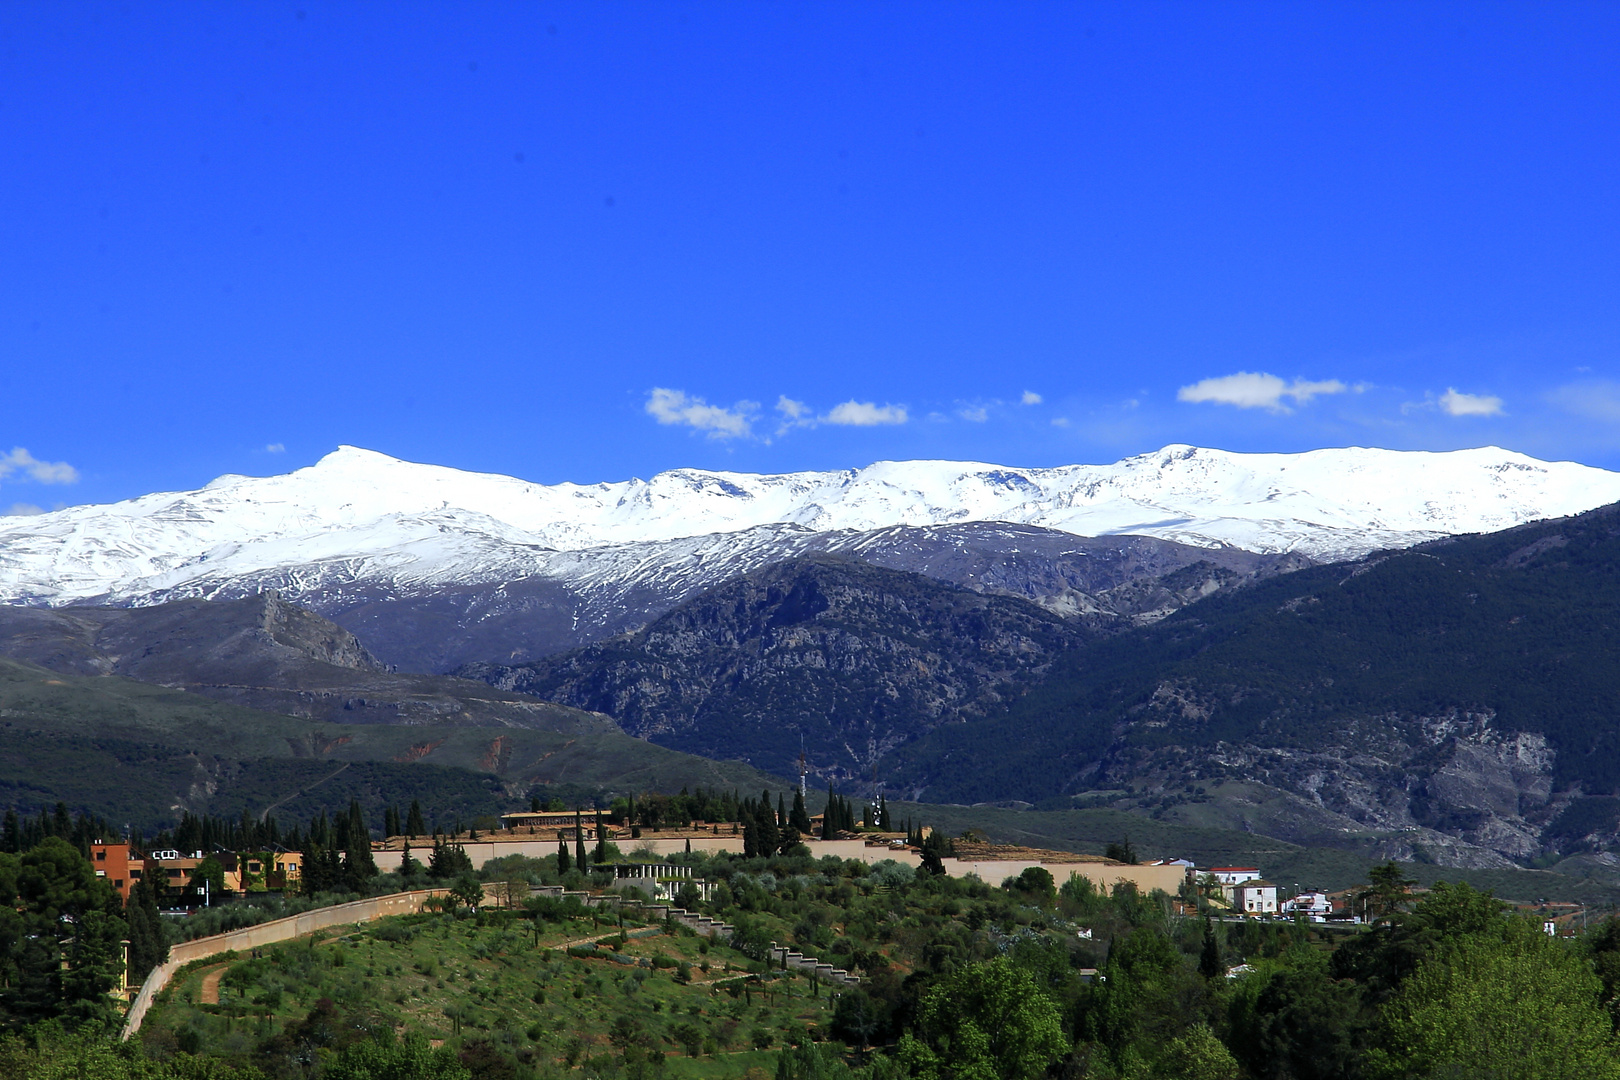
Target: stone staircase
[792,958]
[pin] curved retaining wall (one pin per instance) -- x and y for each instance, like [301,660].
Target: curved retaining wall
[252,937]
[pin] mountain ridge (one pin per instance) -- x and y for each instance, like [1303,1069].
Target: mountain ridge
[430,523]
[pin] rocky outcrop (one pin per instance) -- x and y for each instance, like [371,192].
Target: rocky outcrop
[842,659]
[1452,790]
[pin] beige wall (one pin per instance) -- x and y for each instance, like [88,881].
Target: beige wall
[1102,875]
[483,851]
[995,871]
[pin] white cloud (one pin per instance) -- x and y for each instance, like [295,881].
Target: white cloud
[1454,403]
[1595,399]
[276,448]
[23,510]
[1257,390]
[977,414]
[1060,421]
[865,414]
[1031,398]
[676,407]
[791,409]
[46,472]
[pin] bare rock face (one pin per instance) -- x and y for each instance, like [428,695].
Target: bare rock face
[833,656]
[1452,790]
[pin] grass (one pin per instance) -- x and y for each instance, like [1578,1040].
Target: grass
[549,1002]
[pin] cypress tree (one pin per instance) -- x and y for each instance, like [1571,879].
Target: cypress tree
[358,851]
[883,814]
[564,863]
[799,817]
[408,866]
[579,839]
[601,840]
[1211,965]
[770,837]
[414,826]
[146,947]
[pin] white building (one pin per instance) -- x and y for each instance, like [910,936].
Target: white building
[1254,897]
[1313,905]
[1233,875]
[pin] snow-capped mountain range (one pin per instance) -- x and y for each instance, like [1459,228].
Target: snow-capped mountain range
[364,518]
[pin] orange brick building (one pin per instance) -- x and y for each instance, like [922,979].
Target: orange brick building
[112,862]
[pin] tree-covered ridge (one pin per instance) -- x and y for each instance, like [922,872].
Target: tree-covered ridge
[1515,631]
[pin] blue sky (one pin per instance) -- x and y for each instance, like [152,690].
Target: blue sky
[584,242]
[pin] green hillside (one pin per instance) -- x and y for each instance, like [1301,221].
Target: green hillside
[131,752]
[539,992]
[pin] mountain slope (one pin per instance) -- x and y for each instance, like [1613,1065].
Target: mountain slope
[1465,688]
[140,753]
[605,592]
[264,653]
[843,659]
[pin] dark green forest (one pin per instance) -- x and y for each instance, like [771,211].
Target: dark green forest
[1520,627]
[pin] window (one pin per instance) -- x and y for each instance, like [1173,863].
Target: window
[101,856]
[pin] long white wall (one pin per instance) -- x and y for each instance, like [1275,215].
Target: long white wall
[994,871]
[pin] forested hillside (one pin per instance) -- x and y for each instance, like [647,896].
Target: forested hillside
[1473,679]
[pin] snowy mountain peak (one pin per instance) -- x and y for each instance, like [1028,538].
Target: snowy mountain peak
[359,514]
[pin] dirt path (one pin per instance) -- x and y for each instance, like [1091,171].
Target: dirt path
[209,994]
[302,791]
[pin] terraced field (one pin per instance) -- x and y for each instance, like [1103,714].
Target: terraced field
[550,993]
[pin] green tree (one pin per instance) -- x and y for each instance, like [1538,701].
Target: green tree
[1522,1009]
[409,867]
[564,863]
[467,891]
[799,817]
[414,825]
[1387,891]
[1123,851]
[986,1021]
[383,1059]
[1199,1055]
[1211,964]
[1295,1022]
[147,943]
[95,968]
[209,872]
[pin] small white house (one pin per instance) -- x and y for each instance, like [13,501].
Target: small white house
[1254,898]
[1313,905]
[1233,875]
